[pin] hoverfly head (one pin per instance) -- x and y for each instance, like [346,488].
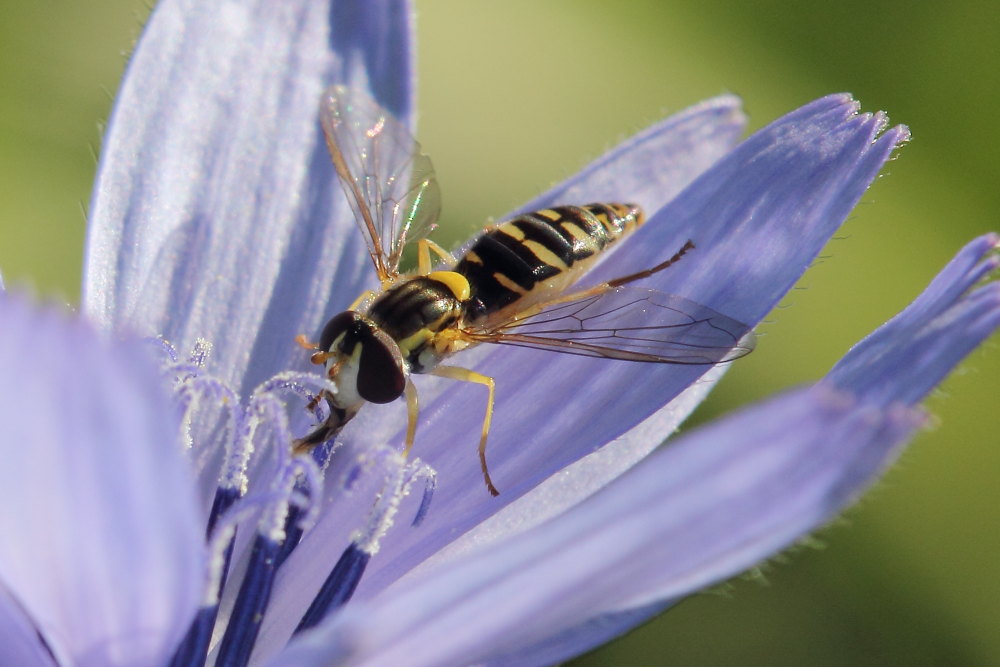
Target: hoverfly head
[363,360]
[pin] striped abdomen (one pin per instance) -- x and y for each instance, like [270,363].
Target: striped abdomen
[544,251]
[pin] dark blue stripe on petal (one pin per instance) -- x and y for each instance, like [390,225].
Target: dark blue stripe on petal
[224,499]
[338,587]
[293,533]
[251,603]
[193,648]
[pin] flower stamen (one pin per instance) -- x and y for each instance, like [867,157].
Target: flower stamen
[343,580]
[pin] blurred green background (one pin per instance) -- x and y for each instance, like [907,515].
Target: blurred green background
[514,97]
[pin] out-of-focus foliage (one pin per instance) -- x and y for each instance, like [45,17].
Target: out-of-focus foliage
[515,96]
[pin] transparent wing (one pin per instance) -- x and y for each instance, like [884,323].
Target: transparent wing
[629,323]
[388,181]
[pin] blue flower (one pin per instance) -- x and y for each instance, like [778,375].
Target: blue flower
[217,229]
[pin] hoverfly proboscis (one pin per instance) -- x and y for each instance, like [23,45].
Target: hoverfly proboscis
[510,287]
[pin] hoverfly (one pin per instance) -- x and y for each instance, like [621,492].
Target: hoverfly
[511,286]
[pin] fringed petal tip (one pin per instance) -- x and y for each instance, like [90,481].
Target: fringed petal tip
[897,134]
[910,354]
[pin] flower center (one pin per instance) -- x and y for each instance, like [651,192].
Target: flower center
[260,480]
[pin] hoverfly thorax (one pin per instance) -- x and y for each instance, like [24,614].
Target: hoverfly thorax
[416,310]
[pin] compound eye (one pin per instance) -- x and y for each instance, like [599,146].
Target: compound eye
[337,325]
[380,368]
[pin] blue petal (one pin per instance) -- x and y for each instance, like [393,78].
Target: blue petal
[216,212]
[654,166]
[579,639]
[20,642]
[886,371]
[105,551]
[698,512]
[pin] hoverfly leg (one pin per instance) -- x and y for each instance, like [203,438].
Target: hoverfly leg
[632,277]
[318,356]
[424,249]
[465,375]
[322,432]
[331,426]
[365,296]
[314,402]
[412,411]
[305,343]
[601,288]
